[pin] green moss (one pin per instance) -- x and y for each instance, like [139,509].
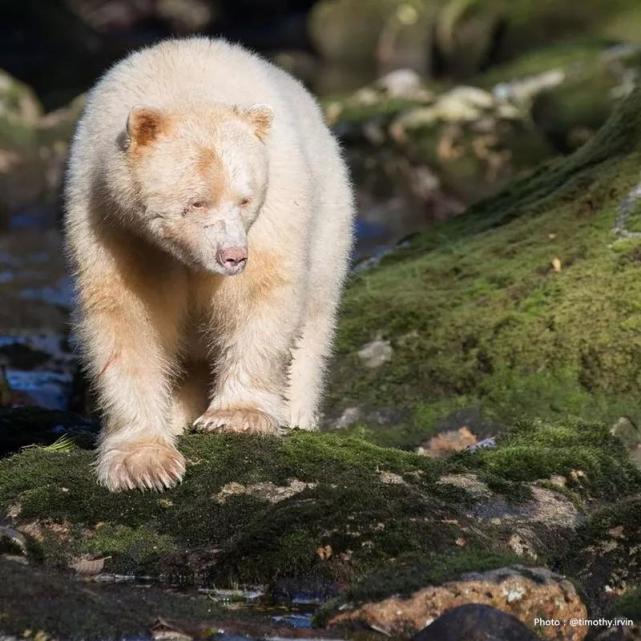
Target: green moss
[353,112]
[477,309]
[341,499]
[584,453]
[346,506]
[556,56]
[141,547]
[532,23]
[411,572]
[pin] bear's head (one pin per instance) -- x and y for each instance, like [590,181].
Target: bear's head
[199,177]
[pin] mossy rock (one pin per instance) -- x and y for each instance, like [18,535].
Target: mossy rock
[525,305]
[472,35]
[458,145]
[606,557]
[450,145]
[531,23]
[373,34]
[458,38]
[20,112]
[33,146]
[317,507]
[18,103]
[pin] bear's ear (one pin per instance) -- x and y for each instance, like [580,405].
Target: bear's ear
[144,125]
[259,116]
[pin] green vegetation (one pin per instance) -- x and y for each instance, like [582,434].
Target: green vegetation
[525,305]
[309,505]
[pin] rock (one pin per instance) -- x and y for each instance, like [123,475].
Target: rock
[406,39]
[21,179]
[436,152]
[570,91]
[12,542]
[18,103]
[305,506]
[522,91]
[264,491]
[465,34]
[350,416]
[476,623]
[376,353]
[387,34]
[348,30]
[606,556]
[472,344]
[33,147]
[403,83]
[470,483]
[620,633]
[470,36]
[265,508]
[630,435]
[525,593]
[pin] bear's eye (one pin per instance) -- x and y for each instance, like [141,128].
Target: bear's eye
[244,202]
[197,204]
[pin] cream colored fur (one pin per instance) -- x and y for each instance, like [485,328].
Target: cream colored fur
[185,150]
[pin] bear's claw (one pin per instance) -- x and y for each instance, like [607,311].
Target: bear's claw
[143,465]
[246,421]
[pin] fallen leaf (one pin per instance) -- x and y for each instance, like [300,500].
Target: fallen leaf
[88,567]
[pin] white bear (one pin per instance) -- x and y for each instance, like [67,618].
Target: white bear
[208,222]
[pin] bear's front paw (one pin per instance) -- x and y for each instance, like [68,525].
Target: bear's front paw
[143,464]
[247,421]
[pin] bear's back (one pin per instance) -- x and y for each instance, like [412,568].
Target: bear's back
[177,72]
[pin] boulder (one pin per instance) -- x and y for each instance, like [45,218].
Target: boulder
[528,594]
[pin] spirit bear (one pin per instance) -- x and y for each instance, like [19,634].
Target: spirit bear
[209,226]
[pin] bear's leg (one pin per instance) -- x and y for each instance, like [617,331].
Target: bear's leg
[130,338]
[253,352]
[329,263]
[190,397]
[309,361]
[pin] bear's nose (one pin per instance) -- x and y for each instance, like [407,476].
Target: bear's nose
[231,257]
